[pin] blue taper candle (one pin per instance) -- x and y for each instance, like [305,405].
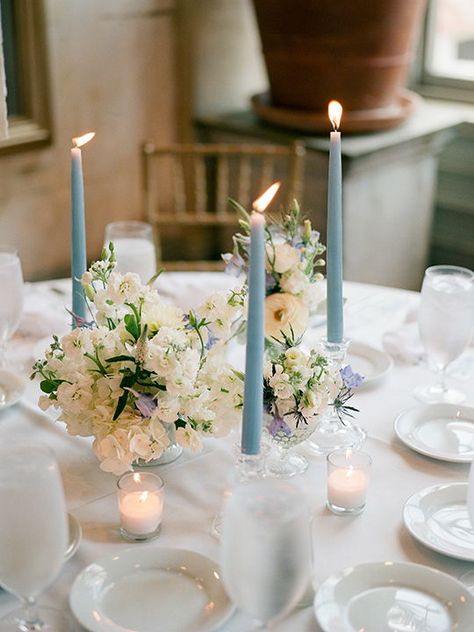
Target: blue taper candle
[78,227]
[335,320]
[253,388]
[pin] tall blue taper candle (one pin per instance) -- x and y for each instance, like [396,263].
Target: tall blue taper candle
[78,227]
[253,388]
[335,321]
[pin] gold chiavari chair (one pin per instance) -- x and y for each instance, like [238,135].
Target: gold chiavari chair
[186,189]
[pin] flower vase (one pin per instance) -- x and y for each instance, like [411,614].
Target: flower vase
[335,431]
[170,454]
[284,462]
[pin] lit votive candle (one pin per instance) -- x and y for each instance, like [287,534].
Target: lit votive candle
[140,500]
[348,479]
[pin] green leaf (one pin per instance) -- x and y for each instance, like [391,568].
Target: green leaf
[121,358]
[49,386]
[131,325]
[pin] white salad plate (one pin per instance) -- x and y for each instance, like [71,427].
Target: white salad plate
[12,387]
[372,363]
[442,431]
[149,589]
[393,597]
[75,535]
[438,518]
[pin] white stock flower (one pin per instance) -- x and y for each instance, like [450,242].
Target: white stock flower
[280,383]
[189,438]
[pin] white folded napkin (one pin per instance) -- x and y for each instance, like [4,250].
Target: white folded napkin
[404,344]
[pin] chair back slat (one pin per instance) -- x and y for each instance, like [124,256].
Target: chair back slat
[189,184]
[222,185]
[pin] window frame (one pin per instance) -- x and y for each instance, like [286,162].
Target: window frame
[33,127]
[437,86]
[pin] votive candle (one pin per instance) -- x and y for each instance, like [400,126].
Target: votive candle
[140,501]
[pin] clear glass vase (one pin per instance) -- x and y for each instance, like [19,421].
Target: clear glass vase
[283,461]
[333,431]
[170,454]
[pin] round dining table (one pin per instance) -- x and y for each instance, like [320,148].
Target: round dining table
[195,484]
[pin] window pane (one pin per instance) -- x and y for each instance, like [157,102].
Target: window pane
[451,39]
[12,58]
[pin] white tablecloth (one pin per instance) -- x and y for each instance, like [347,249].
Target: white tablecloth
[195,484]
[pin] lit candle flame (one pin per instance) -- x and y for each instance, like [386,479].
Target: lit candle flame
[335,113]
[142,497]
[137,478]
[348,453]
[264,200]
[79,141]
[350,471]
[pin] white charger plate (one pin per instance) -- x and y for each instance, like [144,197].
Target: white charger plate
[393,597]
[370,362]
[442,431]
[437,517]
[146,589]
[12,387]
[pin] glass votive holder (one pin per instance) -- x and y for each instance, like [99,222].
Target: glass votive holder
[140,501]
[347,481]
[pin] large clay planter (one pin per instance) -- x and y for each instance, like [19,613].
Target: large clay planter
[355,51]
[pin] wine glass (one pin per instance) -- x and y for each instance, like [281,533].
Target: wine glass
[33,535]
[11,305]
[266,548]
[446,323]
[134,248]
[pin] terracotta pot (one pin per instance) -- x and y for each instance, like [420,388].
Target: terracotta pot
[355,51]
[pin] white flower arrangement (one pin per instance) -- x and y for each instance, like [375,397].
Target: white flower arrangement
[293,282]
[299,386]
[141,367]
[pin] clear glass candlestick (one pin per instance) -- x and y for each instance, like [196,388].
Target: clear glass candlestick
[333,432]
[347,481]
[140,500]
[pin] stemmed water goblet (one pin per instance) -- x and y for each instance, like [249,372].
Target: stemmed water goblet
[33,535]
[267,573]
[446,323]
[11,305]
[134,247]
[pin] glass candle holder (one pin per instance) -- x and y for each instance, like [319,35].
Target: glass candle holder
[347,481]
[140,501]
[134,248]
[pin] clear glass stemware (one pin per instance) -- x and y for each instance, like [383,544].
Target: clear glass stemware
[266,549]
[134,247]
[11,304]
[446,323]
[33,535]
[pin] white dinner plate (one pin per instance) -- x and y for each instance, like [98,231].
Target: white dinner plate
[438,517]
[12,387]
[442,431]
[372,363]
[75,535]
[393,597]
[150,589]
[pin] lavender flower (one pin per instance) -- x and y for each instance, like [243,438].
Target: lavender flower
[278,426]
[349,378]
[145,404]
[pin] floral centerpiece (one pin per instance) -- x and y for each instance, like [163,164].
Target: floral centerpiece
[293,279]
[142,368]
[300,388]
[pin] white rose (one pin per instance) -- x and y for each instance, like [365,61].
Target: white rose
[282,257]
[294,281]
[284,313]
